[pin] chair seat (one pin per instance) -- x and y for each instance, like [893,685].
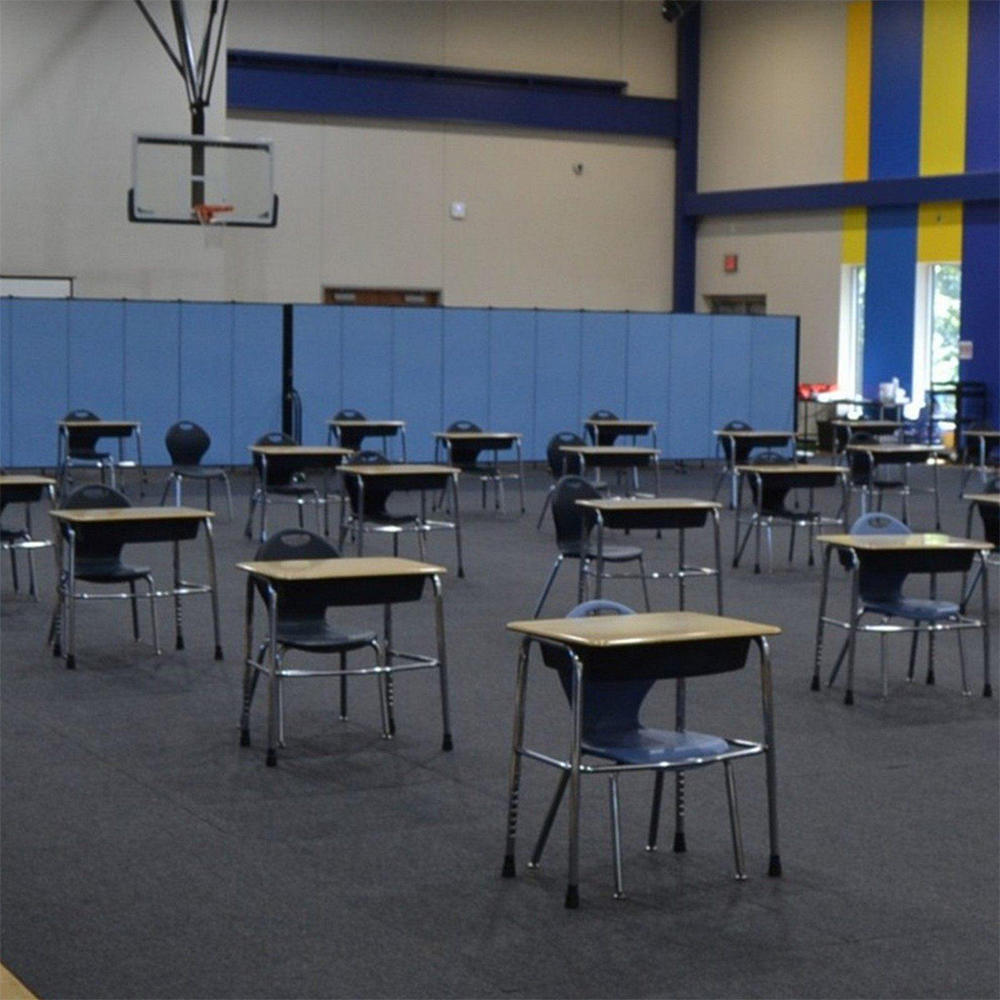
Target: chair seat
[385,519]
[201,472]
[611,553]
[915,608]
[108,571]
[652,746]
[321,637]
[293,489]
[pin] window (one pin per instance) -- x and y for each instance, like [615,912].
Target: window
[737,305]
[938,329]
[850,361]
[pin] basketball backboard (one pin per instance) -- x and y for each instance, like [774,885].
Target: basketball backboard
[197,179]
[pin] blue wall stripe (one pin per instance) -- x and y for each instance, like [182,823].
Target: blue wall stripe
[316,361]
[466,352]
[731,375]
[6,368]
[256,375]
[690,422]
[557,374]
[982,132]
[512,375]
[367,360]
[39,387]
[603,364]
[417,382]
[96,357]
[686,171]
[648,371]
[206,352]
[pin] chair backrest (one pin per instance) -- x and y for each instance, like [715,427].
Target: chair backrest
[349,415]
[464,453]
[187,443]
[561,462]
[278,473]
[608,706]
[81,441]
[569,519]
[879,586]
[773,500]
[91,550]
[300,603]
[733,425]
[375,496]
[603,435]
[862,471]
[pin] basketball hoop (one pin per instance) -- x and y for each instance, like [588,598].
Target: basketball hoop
[206,213]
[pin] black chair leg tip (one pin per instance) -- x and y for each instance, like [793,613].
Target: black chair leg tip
[849,698]
[218,652]
[814,686]
[392,728]
[461,574]
[774,866]
[756,569]
[180,643]
[930,679]
[508,867]
[680,844]
[57,650]
[735,564]
[572,898]
[272,758]
[244,737]
[446,743]
[987,691]
[71,662]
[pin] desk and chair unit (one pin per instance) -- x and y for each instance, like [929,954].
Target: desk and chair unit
[76,446]
[738,441]
[350,429]
[462,444]
[26,490]
[866,458]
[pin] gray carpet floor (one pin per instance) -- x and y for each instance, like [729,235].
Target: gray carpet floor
[146,854]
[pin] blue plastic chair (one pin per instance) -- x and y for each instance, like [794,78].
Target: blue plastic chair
[612,730]
[882,594]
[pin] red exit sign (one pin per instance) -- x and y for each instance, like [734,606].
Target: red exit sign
[730,263]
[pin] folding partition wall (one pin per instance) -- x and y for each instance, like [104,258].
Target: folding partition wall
[534,371]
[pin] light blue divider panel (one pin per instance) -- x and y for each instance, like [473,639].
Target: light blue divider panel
[39,331]
[512,376]
[557,375]
[648,371]
[772,372]
[466,385]
[256,375]
[602,362]
[417,378]
[97,358]
[5,381]
[206,375]
[367,360]
[152,372]
[316,360]
[730,370]
[690,428]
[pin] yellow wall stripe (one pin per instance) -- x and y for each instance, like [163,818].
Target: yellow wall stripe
[857,103]
[943,95]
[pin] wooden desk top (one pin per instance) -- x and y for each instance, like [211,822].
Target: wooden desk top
[597,450]
[334,422]
[398,469]
[655,629]
[785,468]
[25,480]
[847,422]
[112,515]
[619,422]
[301,449]
[367,567]
[895,449]
[477,435]
[990,498]
[97,424]
[927,541]
[755,434]
[649,503]
[981,433]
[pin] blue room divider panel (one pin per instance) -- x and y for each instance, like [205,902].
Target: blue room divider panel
[466,366]
[317,369]
[256,375]
[772,371]
[557,375]
[648,372]
[730,370]
[602,362]
[97,357]
[206,374]
[689,433]
[512,375]
[367,360]
[39,332]
[152,372]
[417,378]
[5,382]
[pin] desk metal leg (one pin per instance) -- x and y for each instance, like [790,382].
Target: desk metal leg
[853,634]
[717,537]
[937,496]
[263,498]
[138,456]
[458,524]
[402,441]
[361,514]
[599,561]
[930,635]
[71,602]
[214,584]
[56,626]
[823,594]
[656,474]
[249,673]
[680,714]
[271,758]
[654,814]
[442,656]
[767,701]
[178,618]
[390,717]
[520,476]
[573,879]
[987,687]
[517,743]
[616,835]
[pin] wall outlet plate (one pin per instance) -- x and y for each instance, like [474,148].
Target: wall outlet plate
[457,210]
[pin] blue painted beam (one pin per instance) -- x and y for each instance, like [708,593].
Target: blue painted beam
[686,172]
[884,192]
[296,84]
